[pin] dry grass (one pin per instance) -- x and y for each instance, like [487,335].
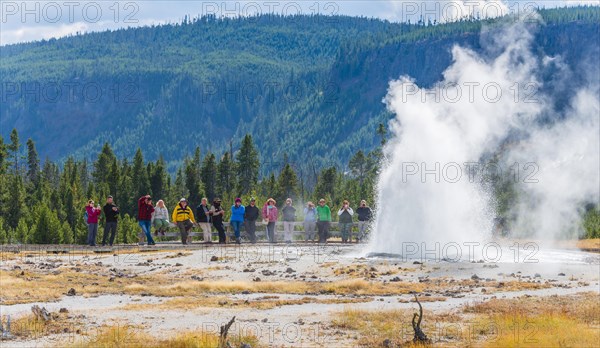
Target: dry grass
[261,303]
[342,287]
[556,321]
[589,244]
[131,337]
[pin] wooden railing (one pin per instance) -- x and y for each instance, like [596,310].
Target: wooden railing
[261,232]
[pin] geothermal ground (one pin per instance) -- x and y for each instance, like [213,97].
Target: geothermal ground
[294,296]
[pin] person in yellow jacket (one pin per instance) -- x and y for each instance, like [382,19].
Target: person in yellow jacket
[183,217]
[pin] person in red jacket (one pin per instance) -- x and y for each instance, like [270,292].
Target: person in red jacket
[145,210]
[92,221]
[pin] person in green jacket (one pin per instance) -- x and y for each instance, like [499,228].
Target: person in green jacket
[323,220]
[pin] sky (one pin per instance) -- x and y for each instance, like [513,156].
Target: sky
[23,21]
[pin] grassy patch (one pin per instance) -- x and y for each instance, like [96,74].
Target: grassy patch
[131,337]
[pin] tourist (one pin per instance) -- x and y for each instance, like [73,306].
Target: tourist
[217,213]
[269,213]
[251,214]
[92,221]
[160,218]
[203,219]
[345,221]
[323,220]
[310,221]
[237,218]
[111,214]
[364,218]
[183,217]
[145,210]
[289,217]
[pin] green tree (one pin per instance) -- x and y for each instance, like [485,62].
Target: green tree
[48,229]
[247,165]
[208,174]
[193,178]
[33,163]
[287,183]
[139,176]
[15,208]
[159,180]
[14,149]
[3,156]
[225,175]
[326,184]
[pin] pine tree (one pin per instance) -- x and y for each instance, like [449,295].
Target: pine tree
[33,163]
[159,180]
[139,176]
[287,183]
[14,149]
[3,156]
[103,166]
[15,201]
[208,174]
[326,183]
[192,178]
[225,176]
[247,165]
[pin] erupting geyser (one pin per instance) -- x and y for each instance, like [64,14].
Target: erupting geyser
[434,186]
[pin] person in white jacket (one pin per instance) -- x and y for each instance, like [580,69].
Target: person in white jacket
[160,218]
[345,221]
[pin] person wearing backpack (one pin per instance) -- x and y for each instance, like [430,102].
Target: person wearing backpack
[111,214]
[92,221]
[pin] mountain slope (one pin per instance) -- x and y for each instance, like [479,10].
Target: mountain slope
[309,87]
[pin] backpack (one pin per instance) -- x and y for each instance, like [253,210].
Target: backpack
[85,217]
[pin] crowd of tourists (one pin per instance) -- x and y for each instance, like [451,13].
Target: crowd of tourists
[316,220]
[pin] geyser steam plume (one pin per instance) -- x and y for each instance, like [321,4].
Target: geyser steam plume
[433,186]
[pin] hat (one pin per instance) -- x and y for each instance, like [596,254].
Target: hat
[183,200]
[238,200]
[252,199]
[109,196]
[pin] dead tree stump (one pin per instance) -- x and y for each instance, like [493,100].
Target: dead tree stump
[223,337]
[41,313]
[420,336]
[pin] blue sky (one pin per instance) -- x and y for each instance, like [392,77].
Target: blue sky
[22,21]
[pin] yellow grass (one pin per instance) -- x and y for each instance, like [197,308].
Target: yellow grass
[589,244]
[556,321]
[130,337]
[266,302]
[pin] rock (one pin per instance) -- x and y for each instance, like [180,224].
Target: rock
[178,264]
[395,279]
[561,274]
[537,275]
[195,277]
[267,272]
[265,320]
[257,279]
[387,343]
[475,277]
[249,270]
[71,292]
[63,310]
[214,258]
[290,270]
[417,263]
[245,292]
[245,345]
[222,302]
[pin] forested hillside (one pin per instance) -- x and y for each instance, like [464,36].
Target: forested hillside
[308,88]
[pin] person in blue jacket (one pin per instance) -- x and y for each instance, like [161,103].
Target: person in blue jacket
[237,218]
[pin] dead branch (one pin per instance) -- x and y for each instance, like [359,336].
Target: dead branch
[223,337]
